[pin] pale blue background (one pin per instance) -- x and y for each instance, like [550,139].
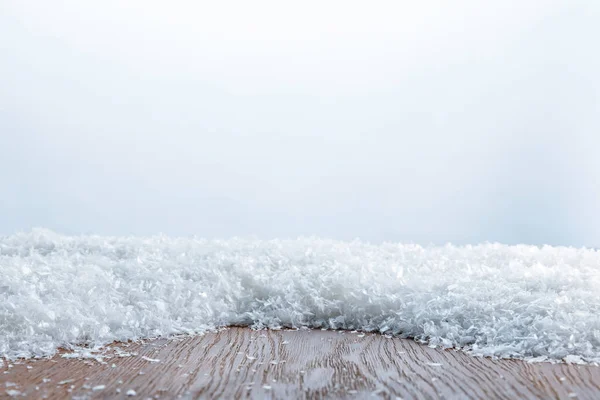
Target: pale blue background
[462,121]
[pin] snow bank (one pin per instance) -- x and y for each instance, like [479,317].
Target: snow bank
[490,299]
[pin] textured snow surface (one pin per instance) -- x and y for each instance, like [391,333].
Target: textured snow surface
[490,299]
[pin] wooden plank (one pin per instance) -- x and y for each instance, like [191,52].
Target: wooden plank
[241,363]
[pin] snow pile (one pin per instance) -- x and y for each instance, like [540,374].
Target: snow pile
[490,299]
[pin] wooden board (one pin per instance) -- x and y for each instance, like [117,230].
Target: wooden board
[241,363]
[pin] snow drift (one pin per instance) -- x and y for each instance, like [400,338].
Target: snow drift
[490,299]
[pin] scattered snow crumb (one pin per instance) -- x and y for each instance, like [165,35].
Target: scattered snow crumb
[434,364]
[152,360]
[99,387]
[131,392]
[266,387]
[13,393]
[573,359]
[537,359]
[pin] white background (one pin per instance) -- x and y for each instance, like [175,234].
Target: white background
[424,121]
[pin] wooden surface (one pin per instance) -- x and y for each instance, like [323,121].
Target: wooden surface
[239,363]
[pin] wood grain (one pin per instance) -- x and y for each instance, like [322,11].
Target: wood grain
[241,363]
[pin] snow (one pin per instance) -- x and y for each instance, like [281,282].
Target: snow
[529,302]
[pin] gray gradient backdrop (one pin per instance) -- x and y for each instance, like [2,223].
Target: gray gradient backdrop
[461,121]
